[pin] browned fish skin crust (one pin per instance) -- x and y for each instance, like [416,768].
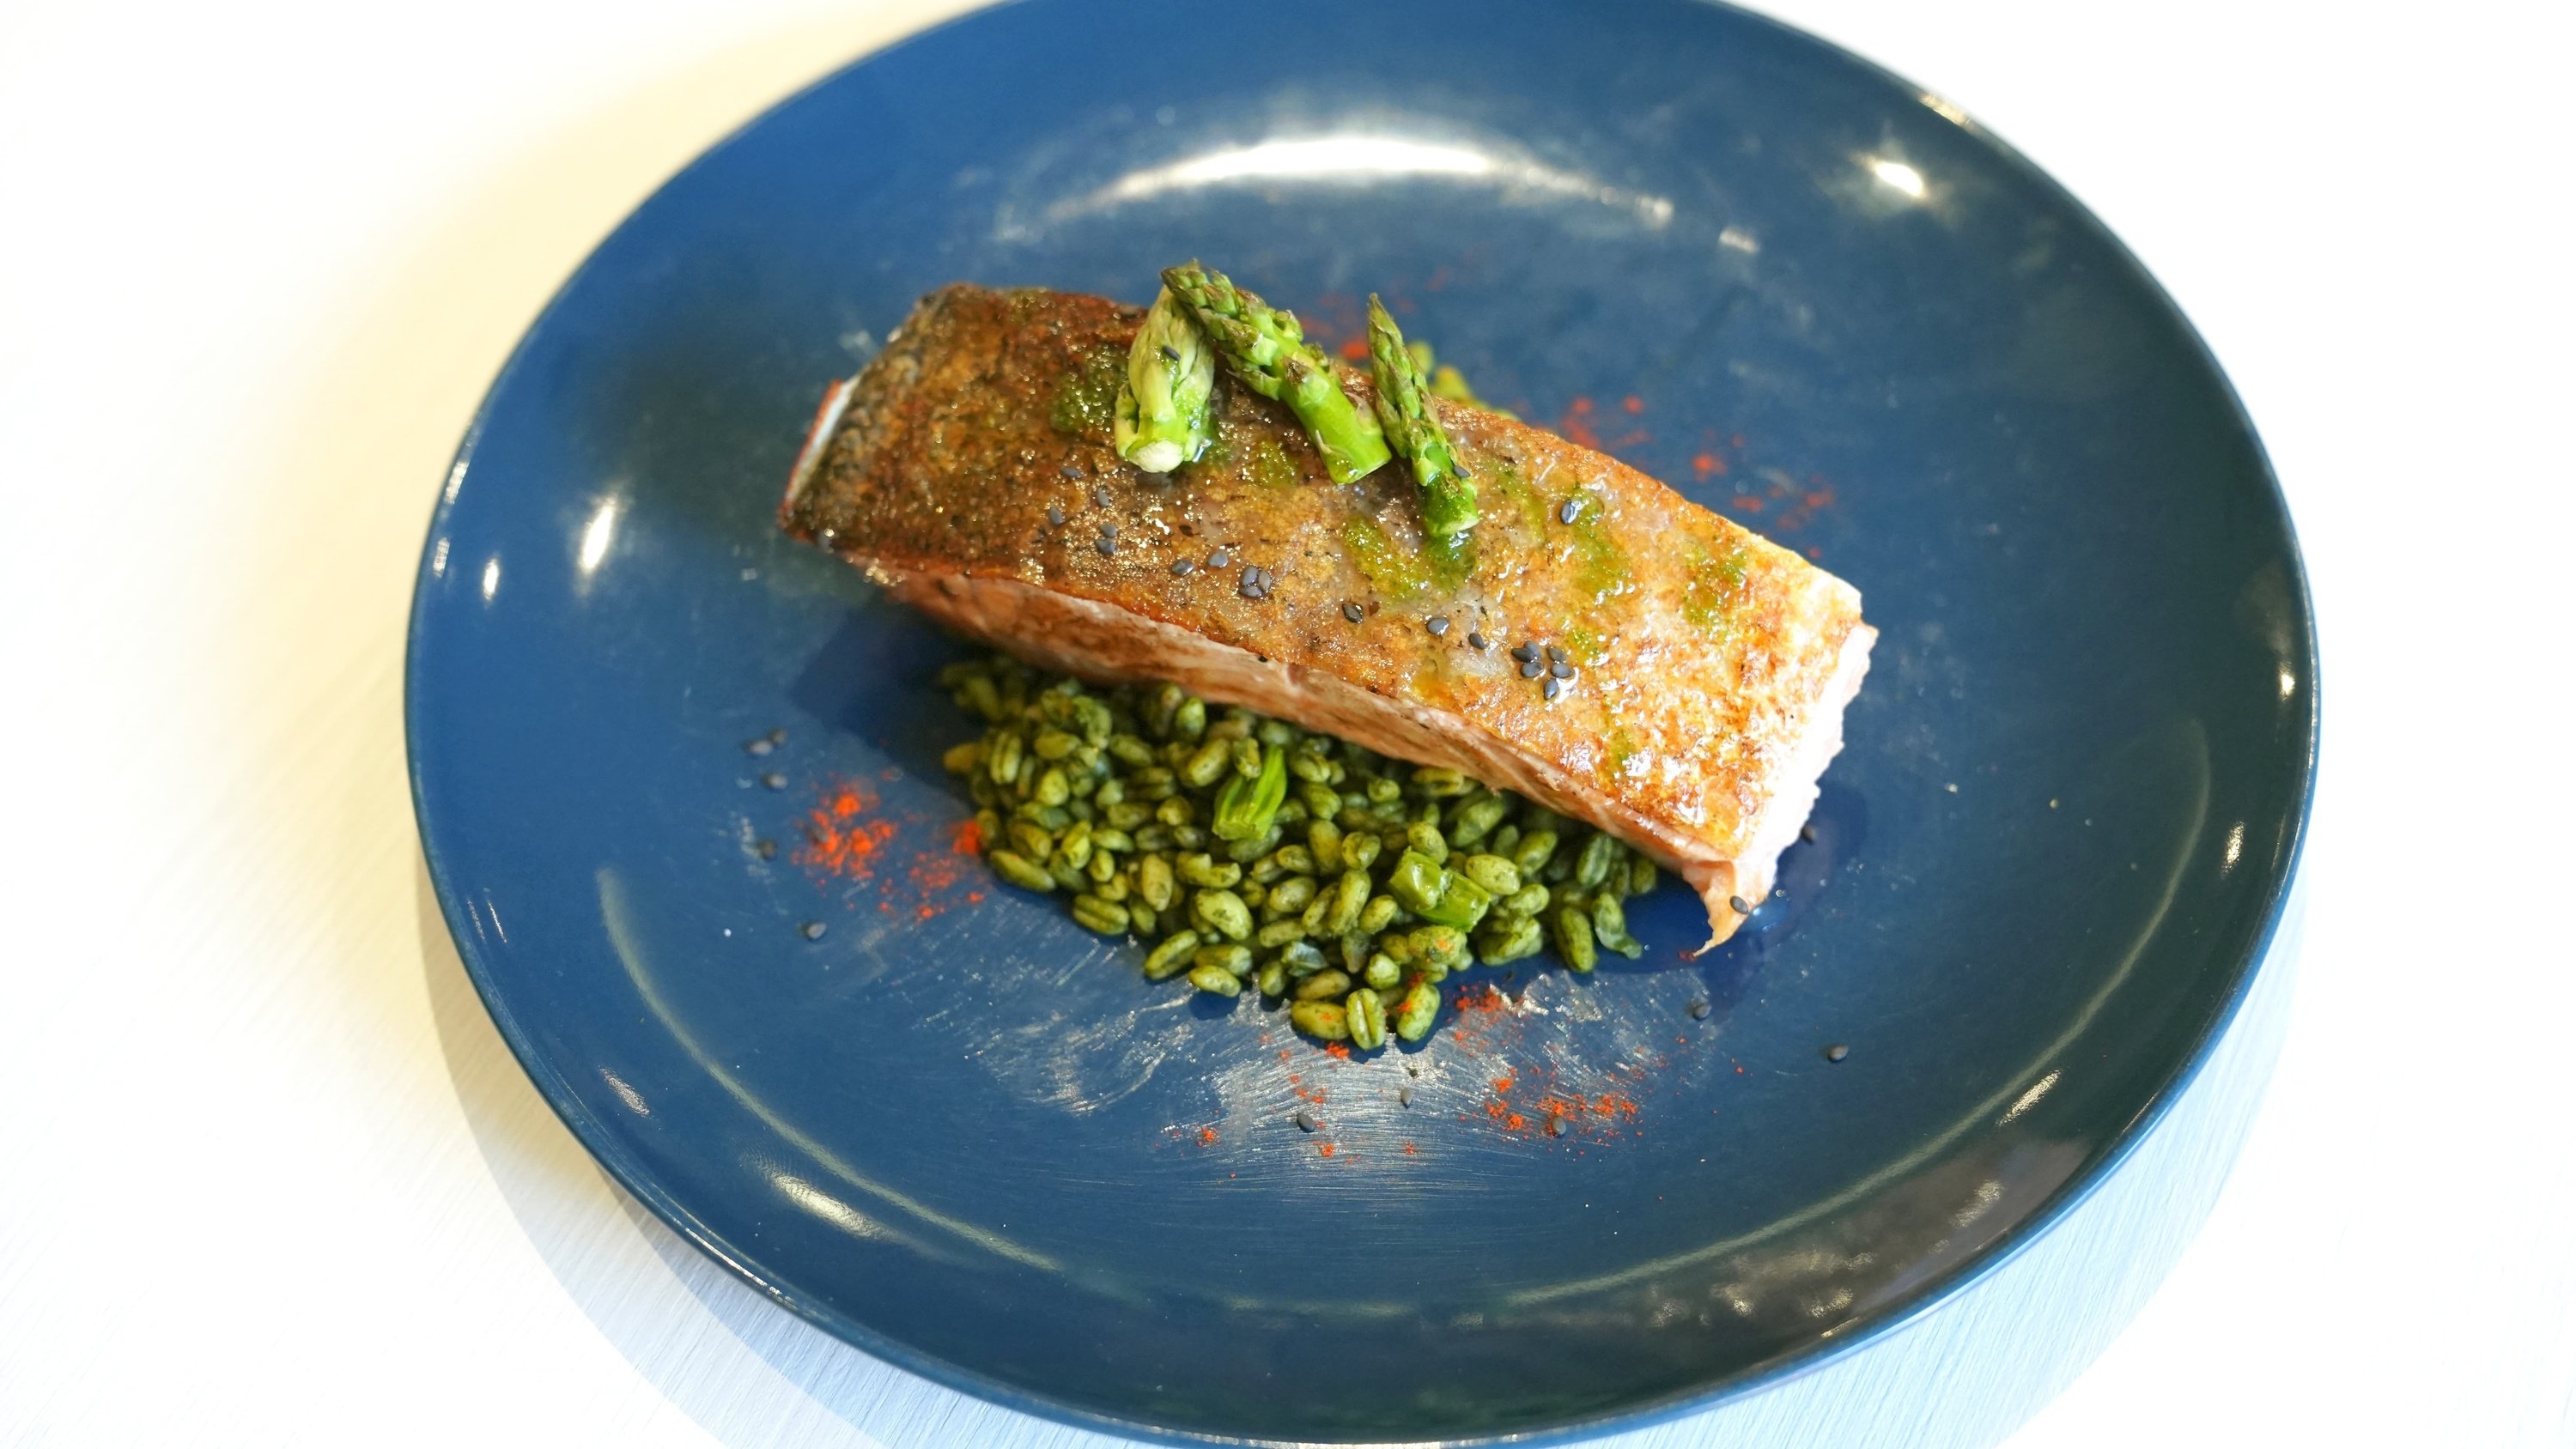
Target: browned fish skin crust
[1711,666]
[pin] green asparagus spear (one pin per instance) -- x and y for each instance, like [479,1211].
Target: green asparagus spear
[1448,499]
[1268,352]
[1165,417]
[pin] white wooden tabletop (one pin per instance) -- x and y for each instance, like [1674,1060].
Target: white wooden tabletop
[267,1175]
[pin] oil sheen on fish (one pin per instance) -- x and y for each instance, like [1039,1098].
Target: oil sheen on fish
[1710,668]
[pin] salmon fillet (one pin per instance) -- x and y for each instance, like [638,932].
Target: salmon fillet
[1710,667]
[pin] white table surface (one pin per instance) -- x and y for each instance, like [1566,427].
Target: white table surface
[266,1174]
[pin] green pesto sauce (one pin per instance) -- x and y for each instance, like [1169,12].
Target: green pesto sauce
[1584,643]
[1710,592]
[1086,401]
[1623,748]
[1396,575]
[1600,565]
[1272,467]
[1516,495]
[1450,560]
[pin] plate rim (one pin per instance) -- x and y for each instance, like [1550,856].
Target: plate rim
[1809,1355]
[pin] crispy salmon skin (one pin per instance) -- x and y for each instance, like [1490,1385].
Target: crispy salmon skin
[969,469]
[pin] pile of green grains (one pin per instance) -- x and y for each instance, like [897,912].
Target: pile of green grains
[1255,856]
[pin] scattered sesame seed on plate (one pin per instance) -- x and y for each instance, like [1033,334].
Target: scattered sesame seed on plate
[1182,566]
[1438,624]
[1736,903]
[814,930]
[759,746]
[778,736]
[1055,516]
[1108,530]
[1478,641]
[1305,1120]
[1837,1052]
[1100,495]
[1354,612]
[774,780]
[1071,470]
[1699,1008]
[1219,558]
[1807,832]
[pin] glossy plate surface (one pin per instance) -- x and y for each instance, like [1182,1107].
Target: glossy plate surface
[965,1135]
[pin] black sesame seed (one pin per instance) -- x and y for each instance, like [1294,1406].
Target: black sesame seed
[1055,516]
[1438,624]
[1109,530]
[1478,641]
[765,849]
[1556,653]
[1071,470]
[1555,687]
[1305,1120]
[1807,833]
[1561,669]
[1699,1008]
[1737,904]
[1525,652]
[1837,1052]
[1108,546]
[1531,669]
[1219,559]
[1182,566]
[1354,612]
[1555,1126]
[778,736]
[1100,496]
[760,746]
[1170,353]
[774,780]
[1568,513]
[814,930]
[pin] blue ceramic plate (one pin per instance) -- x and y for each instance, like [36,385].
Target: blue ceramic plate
[963,1134]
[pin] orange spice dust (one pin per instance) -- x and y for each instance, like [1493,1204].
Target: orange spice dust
[1356,350]
[1576,426]
[851,840]
[1535,1101]
[1633,403]
[840,837]
[1328,1149]
[1207,1137]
